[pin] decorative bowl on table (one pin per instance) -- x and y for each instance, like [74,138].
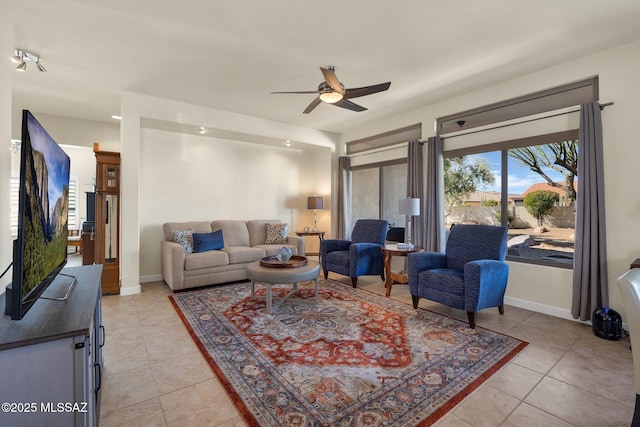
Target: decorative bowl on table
[273,262]
[284,254]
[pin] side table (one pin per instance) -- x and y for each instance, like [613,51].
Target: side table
[320,235]
[389,251]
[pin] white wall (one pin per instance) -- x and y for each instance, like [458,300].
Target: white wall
[550,289]
[189,177]
[142,205]
[83,165]
[68,131]
[6,45]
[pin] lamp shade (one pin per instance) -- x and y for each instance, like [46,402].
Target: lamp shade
[410,207]
[314,202]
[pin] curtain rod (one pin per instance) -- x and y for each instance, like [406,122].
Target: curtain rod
[602,106]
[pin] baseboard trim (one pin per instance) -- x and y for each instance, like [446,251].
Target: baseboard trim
[550,310]
[542,308]
[130,290]
[151,278]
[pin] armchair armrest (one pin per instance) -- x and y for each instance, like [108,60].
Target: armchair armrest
[172,263]
[485,283]
[330,245]
[298,242]
[420,261]
[365,258]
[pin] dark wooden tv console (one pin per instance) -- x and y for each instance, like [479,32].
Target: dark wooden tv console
[51,360]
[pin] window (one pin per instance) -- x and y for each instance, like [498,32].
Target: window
[73,221]
[528,185]
[379,174]
[376,191]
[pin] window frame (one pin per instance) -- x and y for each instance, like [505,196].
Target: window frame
[380,166]
[504,147]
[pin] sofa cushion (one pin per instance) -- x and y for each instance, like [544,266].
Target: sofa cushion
[235,232]
[185,238]
[242,254]
[444,280]
[206,259]
[258,230]
[276,234]
[203,242]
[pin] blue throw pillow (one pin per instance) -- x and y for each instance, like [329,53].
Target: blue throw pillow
[207,241]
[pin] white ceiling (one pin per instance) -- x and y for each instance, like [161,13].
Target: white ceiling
[230,55]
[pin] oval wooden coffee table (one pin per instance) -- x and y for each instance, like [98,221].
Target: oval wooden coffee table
[271,276]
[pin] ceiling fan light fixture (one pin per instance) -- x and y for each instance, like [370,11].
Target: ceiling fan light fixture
[331,97]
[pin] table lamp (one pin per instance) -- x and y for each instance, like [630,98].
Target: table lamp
[409,207]
[315,203]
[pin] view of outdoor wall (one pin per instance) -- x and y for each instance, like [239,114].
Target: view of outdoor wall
[365,194]
[372,200]
[540,196]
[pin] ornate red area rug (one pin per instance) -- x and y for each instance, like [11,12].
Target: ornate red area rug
[355,359]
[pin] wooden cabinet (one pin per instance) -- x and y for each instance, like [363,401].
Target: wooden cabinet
[89,247]
[107,227]
[51,360]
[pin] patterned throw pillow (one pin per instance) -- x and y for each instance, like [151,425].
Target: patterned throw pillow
[185,238]
[276,234]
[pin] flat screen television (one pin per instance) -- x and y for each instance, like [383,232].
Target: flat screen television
[40,250]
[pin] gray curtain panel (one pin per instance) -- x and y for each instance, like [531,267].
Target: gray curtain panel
[415,186]
[590,283]
[433,212]
[344,197]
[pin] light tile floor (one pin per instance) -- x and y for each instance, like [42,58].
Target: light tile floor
[154,375]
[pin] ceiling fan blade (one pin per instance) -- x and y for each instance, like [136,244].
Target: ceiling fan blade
[304,91]
[366,90]
[349,105]
[332,80]
[313,105]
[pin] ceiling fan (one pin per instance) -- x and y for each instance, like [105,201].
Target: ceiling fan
[333,92]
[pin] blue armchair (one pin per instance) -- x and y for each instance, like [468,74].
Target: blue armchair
[470,276]
[359,256]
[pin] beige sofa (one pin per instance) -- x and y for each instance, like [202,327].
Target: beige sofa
[244,243]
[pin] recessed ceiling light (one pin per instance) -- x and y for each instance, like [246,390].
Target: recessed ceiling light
[288,143]
[202,130]
[116,117]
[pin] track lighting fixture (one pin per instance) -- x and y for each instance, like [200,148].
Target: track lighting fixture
[22,56]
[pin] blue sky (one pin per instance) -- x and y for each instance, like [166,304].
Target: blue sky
[520,177]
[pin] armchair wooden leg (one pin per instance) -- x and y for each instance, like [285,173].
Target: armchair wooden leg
[472,319]
[354,281]
[501,309]
[326,274]
[415,299]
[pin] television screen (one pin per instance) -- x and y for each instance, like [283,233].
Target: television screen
[40,250]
